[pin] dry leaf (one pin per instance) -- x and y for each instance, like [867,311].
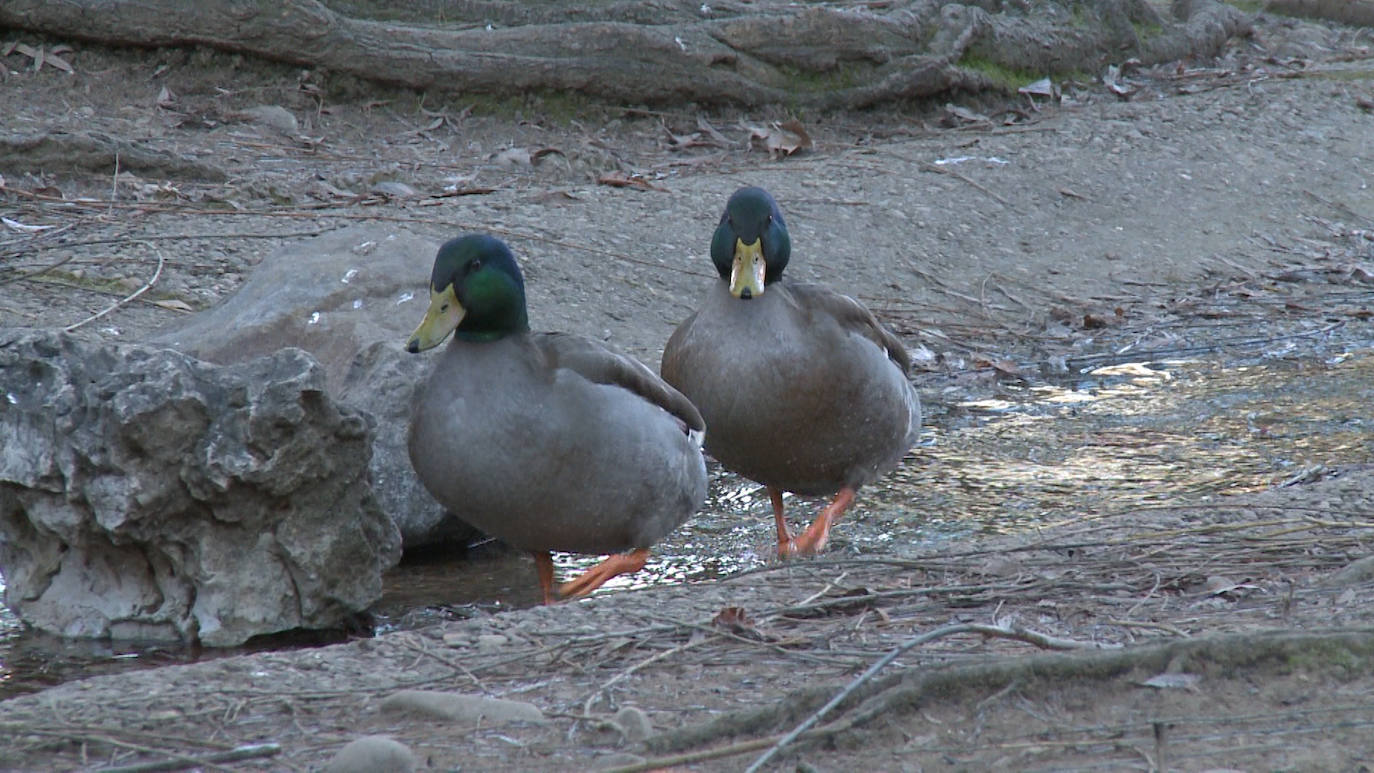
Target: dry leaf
[956,115]
[1112,79]
[36,54]
[622,180]
[554,197]
[711,132]
[780,139]
[1004,367]
[707,137]
[1172,681]
[394,190]
[1361,275]
[540,153]
[1041,88]
[174,305]
[58,62]
[513,157]
[732,619]
[1217,585]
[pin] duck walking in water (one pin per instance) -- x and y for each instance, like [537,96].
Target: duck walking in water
[547,441]
[802,388]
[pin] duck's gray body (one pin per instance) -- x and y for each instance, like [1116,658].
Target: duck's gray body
[553,442]
[801,388]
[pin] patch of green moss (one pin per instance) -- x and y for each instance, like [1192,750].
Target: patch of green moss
[1146,31]
[559,108]
[845,75]
[98,284]
[1340,75]
[1334,658]
[1080,17]
[1009,77]
[102,285]
[1249,6]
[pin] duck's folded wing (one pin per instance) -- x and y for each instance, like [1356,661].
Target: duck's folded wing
[600,365]
[852,315]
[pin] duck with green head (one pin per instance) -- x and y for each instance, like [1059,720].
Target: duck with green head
[803,389]
[547,441]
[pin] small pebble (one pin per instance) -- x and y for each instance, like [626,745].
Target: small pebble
[489,642]
[634,723]
[372,754]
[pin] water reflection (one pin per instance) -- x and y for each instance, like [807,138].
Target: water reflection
[1103,441]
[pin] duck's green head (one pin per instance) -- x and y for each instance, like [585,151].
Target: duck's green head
[475,289]
[751,246]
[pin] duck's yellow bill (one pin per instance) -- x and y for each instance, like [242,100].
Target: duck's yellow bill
[746,275]
[441,318]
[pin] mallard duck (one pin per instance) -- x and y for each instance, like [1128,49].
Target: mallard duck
[547,441]
[802,388]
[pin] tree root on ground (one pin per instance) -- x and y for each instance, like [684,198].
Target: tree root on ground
[96,152]
[1359,13]
[766,53]
[1218,657]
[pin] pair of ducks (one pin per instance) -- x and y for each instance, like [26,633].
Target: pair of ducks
[553,442]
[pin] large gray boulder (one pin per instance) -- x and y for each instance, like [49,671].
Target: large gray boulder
[148,495]
[351,298]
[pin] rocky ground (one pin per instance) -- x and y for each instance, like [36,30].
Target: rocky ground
[1222,199]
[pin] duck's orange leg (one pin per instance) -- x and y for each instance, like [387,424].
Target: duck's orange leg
[543,563]
[590,580]
[818,533]
[785,547]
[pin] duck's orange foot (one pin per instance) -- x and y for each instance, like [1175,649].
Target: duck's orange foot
[590,580]
[786,549]
[814,539]
[809,542]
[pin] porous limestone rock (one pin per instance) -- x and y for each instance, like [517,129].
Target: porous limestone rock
[148,495]
[351,298]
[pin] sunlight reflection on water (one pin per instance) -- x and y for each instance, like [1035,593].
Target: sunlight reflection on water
[1109,439]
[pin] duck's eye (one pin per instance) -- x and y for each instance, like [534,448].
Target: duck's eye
[474,265]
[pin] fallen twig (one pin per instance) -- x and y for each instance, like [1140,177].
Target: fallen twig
[122,301]
[1017,633]
[249,752]
[849,689]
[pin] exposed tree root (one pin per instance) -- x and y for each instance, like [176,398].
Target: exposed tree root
[764,53]
[1357,12]
[96,152]
[1216,656]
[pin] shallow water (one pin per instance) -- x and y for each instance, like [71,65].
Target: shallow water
[1102,441]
